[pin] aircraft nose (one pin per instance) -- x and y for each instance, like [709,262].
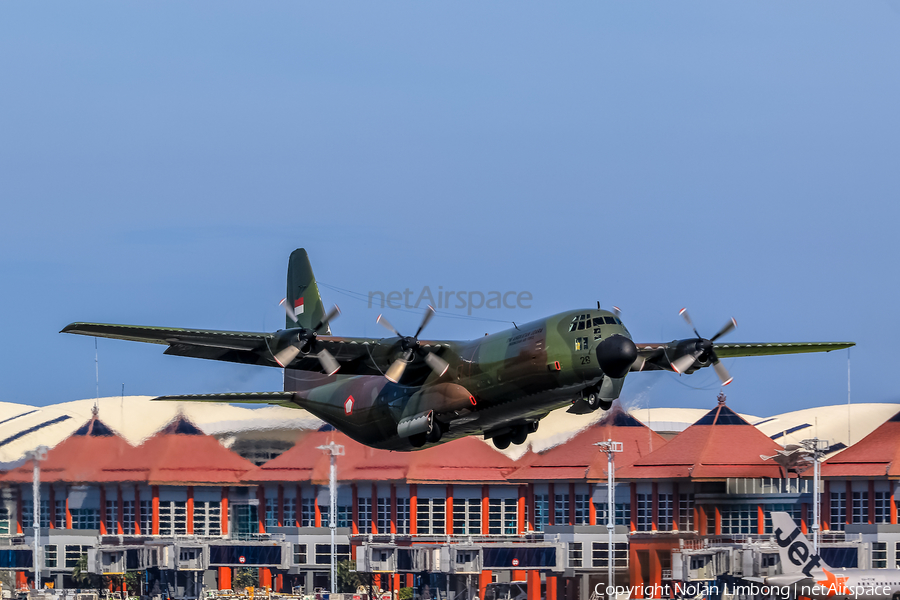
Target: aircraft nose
[615,355]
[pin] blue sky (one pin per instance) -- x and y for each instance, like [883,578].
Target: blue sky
[159,161]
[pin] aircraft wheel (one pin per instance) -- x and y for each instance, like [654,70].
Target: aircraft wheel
[418,440]
[519,435]
[501,442]
[593,400]
[605,404]
[434,435]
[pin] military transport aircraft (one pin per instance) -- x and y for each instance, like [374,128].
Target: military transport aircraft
[806,575]
[403,393]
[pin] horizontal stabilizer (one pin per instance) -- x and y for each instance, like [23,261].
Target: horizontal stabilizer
[277,398]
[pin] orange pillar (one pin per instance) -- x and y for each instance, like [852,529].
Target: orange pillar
[68,511]
[396,583]
[485,494]
[893,504]
[572,503]
[280,508]
[655,573]
[21,580]
[190,510]
[520,511]
[592,510]
[409,580]
[550,594]
[224,520]
[413,509]
[374,512]
[634,571]
[354,509]
[265,578]
[534,584]
[224,578]
[761,520]
[551,510]
[448,507]
[279,583]
[700,519]
[317,509]
[718,521]
[483,580]
[654,506]
[676,507]
[298,512]
[376,580]
[394,514]
[155,506]
[519,575]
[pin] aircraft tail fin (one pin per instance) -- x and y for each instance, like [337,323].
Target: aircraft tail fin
[303,297]
[794,550]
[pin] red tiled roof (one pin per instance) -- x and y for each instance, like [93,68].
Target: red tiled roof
[578,458]
[876,455]
[75,459]
[719,445]
[170,458]
[466,459]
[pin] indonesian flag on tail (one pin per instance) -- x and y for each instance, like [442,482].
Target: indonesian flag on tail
[298,307]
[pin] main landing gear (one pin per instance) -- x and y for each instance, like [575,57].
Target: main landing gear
[432,436]
[515,435]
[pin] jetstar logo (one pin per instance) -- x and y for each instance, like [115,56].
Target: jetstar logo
[834,584]
[348,405]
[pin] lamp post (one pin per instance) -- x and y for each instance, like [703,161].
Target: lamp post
[36,455]
[610,448]
[816,449]
[333,450]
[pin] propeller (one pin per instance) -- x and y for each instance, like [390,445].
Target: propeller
[410,346]
[304,340]
[704,347]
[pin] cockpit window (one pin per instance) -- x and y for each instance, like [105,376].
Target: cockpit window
[619,321]
[598,321]
[580,325]
[610,320]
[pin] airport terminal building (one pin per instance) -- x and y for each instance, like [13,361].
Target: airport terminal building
[194,497]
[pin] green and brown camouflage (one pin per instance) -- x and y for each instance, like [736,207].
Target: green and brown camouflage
[405,393]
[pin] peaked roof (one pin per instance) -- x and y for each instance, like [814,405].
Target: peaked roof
[876,455]
[75,459]
[579,458]
[720,444]
[466,459]
[179,454]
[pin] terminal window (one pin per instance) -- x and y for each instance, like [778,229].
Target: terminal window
[686,512]
[290,512]
[364,514]
[882,507]
[85,518]
[502,516]
[207,518]
[644,512]
[664,512]
[838,511]
[575,555]
[383,515]
[74,553]
[431,516]
[172,517]
[50,553]
[402,515]
[860,507]
[792,509]
[271,512]
[467,516]
[128,517]
[581,509]
[323,553]
[739,518]
[561,509]
[307,512]
[541,511]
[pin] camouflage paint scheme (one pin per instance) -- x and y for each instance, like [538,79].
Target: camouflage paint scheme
[498,386]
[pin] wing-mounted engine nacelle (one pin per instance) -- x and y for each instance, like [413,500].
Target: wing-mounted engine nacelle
[421,420]
[699,351]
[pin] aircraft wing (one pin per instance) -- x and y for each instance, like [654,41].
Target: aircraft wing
[354,354]
[276,398]
[654,356]
[764,349]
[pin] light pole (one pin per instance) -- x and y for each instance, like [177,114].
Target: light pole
[610,448]
[37,455]
[334,450]
[816,449]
